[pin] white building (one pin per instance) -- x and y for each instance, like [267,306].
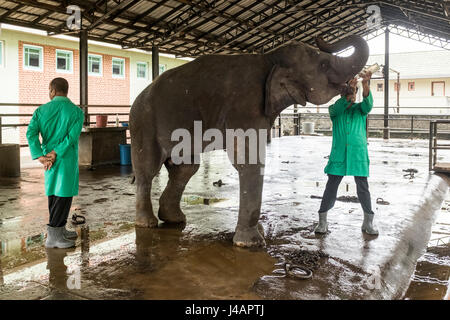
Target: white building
[424,82]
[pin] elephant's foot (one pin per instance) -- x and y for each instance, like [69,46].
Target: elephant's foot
[146,220]
[171,214]
[249,237]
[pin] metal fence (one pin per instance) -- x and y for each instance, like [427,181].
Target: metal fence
[93,110]
[406,125]
[402,125]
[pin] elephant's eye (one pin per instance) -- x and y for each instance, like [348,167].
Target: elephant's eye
[324,65]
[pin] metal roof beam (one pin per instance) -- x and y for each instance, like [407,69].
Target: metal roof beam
[126,4]
[418,8]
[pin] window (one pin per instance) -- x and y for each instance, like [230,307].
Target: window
[142,70]
[118,68]
[438,88]
[64,61]
[379,87]
[2,63]
[94,65]
[397,86]
[162,68]
[411,86]
[32,58]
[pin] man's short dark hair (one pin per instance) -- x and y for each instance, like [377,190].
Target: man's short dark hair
[60,85]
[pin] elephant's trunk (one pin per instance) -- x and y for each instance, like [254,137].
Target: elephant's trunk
[346,67]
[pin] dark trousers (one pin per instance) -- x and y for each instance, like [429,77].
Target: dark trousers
[329,195]
[59,208]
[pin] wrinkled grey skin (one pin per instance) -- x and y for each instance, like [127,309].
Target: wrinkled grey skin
[229,92]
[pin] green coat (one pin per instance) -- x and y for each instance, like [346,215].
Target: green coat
[59,122]
[349,156]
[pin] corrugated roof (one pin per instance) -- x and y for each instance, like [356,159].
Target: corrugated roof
[192,28]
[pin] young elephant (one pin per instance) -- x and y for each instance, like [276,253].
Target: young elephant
[245,91]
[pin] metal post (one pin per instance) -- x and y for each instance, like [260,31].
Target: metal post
[279,126]
[84,75]
[398,92]
[412,126]
[386,86]
[295,119]
[430,148]
[434,143]
[1,129]
[155,62]
[299,122]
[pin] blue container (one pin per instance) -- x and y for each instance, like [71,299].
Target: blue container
[125,154]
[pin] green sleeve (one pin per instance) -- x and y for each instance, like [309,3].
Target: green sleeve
[338,108]
[33,137]
[366,105]
[72,136]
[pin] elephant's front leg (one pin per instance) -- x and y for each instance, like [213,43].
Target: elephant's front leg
[248,232]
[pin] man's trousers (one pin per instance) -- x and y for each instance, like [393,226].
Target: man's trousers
[59,208]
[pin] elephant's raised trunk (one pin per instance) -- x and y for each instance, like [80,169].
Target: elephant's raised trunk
[346,67]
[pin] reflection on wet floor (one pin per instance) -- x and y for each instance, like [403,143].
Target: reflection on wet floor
[146,264]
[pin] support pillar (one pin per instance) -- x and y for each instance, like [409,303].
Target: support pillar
[386,133]
[155,62]
[84,74]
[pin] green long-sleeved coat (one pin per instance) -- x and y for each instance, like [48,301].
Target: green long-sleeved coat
[349,156]
[59,122]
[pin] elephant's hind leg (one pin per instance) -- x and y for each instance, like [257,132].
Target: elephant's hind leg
[169,203]
[145,165]
[144,210]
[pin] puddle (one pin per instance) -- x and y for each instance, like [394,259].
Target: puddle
[193,200]
[431,280]
[118,262]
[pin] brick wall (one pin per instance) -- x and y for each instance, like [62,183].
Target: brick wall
[104,89]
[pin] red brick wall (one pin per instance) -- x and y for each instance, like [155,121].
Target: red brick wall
[104,89]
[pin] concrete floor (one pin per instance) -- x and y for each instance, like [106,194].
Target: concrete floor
[113,260]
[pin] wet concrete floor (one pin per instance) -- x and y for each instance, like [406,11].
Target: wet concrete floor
[113,260]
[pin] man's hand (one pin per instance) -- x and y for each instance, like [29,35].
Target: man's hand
[46,162]
[366,76]
[52,156]
[352,83]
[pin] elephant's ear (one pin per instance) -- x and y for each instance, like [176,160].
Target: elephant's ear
[282,90]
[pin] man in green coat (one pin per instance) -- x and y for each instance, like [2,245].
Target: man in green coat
[59,123]
[349,156]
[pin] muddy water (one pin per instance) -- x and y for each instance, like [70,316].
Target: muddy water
[198,261]
[431,279]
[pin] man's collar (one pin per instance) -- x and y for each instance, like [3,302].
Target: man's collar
[59,98]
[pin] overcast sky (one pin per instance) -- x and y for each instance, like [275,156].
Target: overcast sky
[398,44]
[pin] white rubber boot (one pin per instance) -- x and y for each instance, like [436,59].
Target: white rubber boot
[55,239]
[322,227]
[71,235]
[368,225]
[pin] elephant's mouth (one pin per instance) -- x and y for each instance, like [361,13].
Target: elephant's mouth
[300,97]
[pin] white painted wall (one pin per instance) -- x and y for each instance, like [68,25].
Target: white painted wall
[9,84]
[137,84]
